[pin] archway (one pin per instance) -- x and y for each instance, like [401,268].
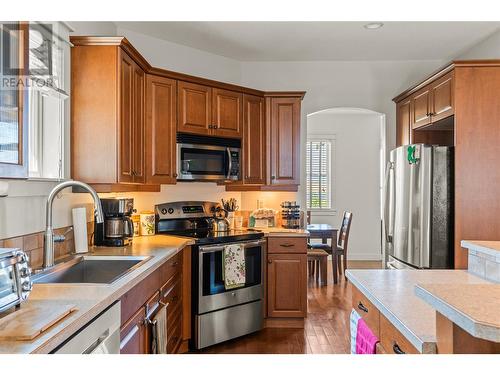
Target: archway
[358,154]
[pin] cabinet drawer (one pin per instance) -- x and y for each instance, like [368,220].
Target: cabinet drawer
[392,340]
[366,310]
[152,304]
[286,245]
[174,335]
[171,267]
[171,294]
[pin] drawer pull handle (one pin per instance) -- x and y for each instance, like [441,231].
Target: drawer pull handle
[362,307]
[175,264]
[396,349]
[287,245]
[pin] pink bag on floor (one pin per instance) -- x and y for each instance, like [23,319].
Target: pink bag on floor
[366,341]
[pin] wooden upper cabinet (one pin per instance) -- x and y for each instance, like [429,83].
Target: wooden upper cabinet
[194,109]
[284,132]
[421,108]
[161,121]
[403,122]
[131,126]
[254,140]
[227,113]
[442,97]
[126,127]
[287,285]
[139,83]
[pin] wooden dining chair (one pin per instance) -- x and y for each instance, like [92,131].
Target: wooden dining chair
[340,250]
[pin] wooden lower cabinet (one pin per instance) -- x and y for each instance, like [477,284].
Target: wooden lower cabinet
[140,304]
[366,310]
[287,278]
[391,340]
[287,285]
[133,334]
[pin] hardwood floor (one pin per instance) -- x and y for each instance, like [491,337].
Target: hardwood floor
[326,328]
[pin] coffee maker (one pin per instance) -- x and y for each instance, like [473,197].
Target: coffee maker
[117,228]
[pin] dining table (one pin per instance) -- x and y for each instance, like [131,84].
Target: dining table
[326,232]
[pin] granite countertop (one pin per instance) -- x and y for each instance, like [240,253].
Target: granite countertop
[474,308]
[393,293]
[92,299]
[281,232]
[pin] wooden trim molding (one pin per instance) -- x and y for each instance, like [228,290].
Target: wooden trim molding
[121,41]
[441,72]
[437,74]
[286,94]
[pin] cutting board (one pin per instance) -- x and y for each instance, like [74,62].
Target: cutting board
[33,318]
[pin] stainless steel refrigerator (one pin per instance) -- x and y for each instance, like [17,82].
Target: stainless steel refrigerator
[418,207]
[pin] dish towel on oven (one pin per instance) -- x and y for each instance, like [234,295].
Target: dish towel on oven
[354,329]
[234,266]
[366,341]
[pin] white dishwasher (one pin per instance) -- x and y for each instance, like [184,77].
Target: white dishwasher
[100,336]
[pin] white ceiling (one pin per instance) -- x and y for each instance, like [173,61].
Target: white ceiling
[309,41]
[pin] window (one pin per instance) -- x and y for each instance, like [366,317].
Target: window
[48,105]
[319,174]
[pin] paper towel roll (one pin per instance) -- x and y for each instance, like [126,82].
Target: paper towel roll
[80,229]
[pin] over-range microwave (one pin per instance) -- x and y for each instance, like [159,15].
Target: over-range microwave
[201,158]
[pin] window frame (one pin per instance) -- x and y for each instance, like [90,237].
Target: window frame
[332,139]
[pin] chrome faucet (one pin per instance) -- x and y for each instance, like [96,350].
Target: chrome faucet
[48,256]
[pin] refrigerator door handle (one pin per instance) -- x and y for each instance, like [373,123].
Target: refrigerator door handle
[387,201]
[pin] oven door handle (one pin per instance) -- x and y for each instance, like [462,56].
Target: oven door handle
[211,249]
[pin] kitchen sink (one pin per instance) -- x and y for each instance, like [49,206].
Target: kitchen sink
[90,269]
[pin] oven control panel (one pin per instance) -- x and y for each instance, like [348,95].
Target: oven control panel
[185,210]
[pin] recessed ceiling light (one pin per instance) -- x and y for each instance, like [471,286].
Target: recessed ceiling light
[373,25]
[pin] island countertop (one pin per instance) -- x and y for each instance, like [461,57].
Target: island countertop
[91,299]
[393,293]
[474,308]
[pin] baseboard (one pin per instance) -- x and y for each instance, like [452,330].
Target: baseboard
[363,256]
[284,323]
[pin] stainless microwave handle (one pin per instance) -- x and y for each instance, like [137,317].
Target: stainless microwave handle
[230,162]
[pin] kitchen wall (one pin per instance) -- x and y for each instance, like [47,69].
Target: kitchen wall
[356,168]
[363,84]
[489,48]
[359,84]
[23,211]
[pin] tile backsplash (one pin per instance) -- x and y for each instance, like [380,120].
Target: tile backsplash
[485,264]
[32,244]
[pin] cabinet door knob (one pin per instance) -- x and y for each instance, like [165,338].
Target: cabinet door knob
[362,307]
[175,175]
[397,350]
[269,261]
[273,177]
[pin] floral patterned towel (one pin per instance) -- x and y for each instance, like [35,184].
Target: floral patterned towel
[234,266]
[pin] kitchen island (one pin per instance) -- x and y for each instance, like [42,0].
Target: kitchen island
[433,311]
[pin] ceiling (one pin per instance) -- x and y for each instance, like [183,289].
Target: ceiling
[310,41]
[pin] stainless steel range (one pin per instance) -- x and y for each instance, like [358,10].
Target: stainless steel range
[218,314]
